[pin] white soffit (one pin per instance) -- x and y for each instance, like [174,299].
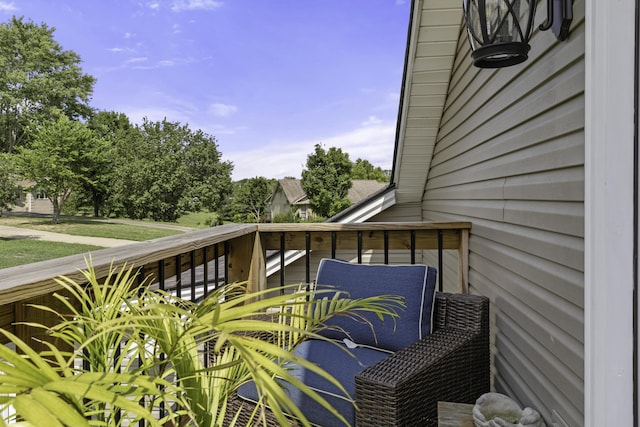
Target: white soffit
[435,27]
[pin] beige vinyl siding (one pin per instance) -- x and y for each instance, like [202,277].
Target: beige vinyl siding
[405,212]
[509,157]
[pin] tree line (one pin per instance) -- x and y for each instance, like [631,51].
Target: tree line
[82,158]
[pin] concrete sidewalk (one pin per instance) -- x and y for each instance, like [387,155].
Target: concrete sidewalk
[7,232]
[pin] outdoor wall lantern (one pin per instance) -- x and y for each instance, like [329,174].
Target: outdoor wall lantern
[499,30]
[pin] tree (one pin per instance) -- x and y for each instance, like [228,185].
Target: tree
[210,177]
[164,170]
[251,198]
[151,176]
[8,190]
[111,127]
[363,169]
[326,180]
[58,159]
[38,81]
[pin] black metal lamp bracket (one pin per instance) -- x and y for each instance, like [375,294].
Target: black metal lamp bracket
[559,17]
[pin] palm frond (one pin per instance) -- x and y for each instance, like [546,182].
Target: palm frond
[185,358]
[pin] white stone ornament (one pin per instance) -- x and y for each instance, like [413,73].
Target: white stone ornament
[498,410]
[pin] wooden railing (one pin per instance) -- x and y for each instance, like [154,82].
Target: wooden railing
[193,263]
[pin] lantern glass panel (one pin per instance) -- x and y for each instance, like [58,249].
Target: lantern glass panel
[498,21]
[494,23]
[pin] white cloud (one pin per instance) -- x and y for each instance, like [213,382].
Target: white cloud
[166,63]
[120,49]
[371,121]
[7,7]
[222,110]
[279,159]
[143,63]
[180,5]
[137,60]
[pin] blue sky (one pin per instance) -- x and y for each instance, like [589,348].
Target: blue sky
[268,78]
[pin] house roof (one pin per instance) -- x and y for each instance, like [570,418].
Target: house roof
[363,188]
[360,189]
[292,189]
[434,29]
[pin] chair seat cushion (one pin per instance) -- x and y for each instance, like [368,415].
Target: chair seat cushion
[336,361]
[416,283]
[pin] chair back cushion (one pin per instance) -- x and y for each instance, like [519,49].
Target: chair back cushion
[415,283]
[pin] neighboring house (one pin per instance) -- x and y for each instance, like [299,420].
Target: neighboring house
[542,159]
[289,195]
[31,200]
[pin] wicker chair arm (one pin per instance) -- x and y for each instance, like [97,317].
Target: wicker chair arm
[403,389]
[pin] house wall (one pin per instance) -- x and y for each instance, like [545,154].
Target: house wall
[279,203]
[509,157]
[30,203]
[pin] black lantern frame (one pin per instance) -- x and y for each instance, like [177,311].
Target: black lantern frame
[499,30]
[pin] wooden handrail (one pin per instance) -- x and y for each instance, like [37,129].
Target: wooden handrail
[25,281]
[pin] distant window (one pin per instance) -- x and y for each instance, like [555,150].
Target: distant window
[40,194]
[303,212]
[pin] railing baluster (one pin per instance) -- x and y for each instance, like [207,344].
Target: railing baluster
[161,286]
[386,246]
[216,265]
[413,246]
[307,267]
[161,283]
[141,423]
[178,276]
[334,243]
[282,255]
[193,274]
[118,369]
[440,272]
[226,264]
[359,247]
[205,271]
[162,408]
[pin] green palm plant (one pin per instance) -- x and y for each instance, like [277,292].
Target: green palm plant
[178,361]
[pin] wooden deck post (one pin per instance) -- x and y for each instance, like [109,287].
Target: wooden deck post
[26,312]
[239,258]
[258,269]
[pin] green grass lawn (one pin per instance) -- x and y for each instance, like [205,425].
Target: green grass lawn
[15,252]
[80,227]
[24,251]
[197,219]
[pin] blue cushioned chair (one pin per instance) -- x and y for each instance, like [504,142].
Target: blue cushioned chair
[395,387]
[369,343]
